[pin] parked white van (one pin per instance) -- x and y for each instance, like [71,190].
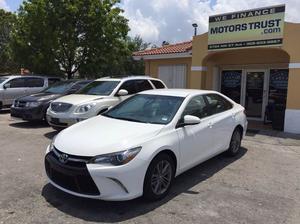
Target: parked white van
[96,98]
[13,87]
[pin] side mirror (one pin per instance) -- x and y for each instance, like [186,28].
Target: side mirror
[189,120]
[122,92]
[6,86]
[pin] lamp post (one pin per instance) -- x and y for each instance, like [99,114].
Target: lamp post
[195,25]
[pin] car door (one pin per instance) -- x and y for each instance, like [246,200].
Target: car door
[34,84]
[222,121]
[15,88]
[195,140]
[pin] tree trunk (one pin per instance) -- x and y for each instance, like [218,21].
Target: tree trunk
[69,73]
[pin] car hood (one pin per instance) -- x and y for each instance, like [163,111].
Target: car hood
[102,135]
[77,99]
[40,97]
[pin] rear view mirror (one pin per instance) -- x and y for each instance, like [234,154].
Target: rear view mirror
[6,86]
[188,120]
[122,92]
[191,120]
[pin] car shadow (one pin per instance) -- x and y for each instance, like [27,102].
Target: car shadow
[4,111]
[50,135]
[29,124]
[110,212]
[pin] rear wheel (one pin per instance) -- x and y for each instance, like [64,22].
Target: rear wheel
[235,143]
[159,177]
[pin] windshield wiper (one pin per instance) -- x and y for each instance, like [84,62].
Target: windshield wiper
[129,119]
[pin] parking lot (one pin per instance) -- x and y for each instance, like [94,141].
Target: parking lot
[261,185]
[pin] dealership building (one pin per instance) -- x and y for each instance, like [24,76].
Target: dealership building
[251,56]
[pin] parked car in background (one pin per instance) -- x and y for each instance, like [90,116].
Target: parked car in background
[34,107]
[13,87]
[96,98]
[140,145]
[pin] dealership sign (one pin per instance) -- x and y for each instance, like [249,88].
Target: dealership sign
[251,28]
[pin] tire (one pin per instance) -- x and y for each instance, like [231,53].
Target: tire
[156,185]
[235,143]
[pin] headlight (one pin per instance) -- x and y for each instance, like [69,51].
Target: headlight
[116,159]
[33,104]
[85,108]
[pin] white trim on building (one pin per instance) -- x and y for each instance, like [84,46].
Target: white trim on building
[164,56]
[198,68]
[294,65]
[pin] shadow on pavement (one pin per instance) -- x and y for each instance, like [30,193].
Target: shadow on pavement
[50,135]
[4,111]
[101,211]
[29,125]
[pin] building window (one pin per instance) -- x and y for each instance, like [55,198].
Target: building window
[231,84]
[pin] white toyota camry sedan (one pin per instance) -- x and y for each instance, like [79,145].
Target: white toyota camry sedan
[138,147]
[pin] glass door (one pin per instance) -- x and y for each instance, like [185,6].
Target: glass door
[254,93]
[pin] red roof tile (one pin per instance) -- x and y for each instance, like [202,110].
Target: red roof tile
[167,49]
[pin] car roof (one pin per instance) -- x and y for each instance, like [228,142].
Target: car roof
[125,78]
[177,92]
[29,76]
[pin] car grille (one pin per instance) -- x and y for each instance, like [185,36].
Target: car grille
[71,174]
[20,103]
[60,107]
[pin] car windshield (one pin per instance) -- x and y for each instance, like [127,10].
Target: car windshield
[145,108]
[2,80]
[59,88]
[103,88]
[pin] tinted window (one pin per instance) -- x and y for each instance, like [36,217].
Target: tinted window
[59,88]
[146,108]
[196,107]
[231,84]
[129,86]
[2,80]
[34,82]
[17,83]
[158,84]
[104,88]
[142,85]
[51,81]
[217,104]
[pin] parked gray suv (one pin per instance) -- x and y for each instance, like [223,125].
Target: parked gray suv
[12,87]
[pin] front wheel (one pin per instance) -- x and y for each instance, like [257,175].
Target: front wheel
[235,143]
[159,177]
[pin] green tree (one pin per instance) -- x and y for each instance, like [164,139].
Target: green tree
[70,35]
[7,21]
[132,66]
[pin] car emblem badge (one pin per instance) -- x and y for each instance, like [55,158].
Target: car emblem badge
[63,158]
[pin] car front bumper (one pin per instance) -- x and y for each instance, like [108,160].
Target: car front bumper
[111,183]
[28,113]
[63,120]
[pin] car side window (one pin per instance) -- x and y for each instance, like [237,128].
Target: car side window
[51,81]
[142,85]
[158,84]
[217,104]
[196,107]
[34,82]
[129,86]
[17,83]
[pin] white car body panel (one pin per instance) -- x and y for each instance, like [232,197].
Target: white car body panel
[191,145]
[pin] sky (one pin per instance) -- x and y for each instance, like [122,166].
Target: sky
[171,20]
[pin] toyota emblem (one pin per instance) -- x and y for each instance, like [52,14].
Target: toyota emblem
[63,158]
